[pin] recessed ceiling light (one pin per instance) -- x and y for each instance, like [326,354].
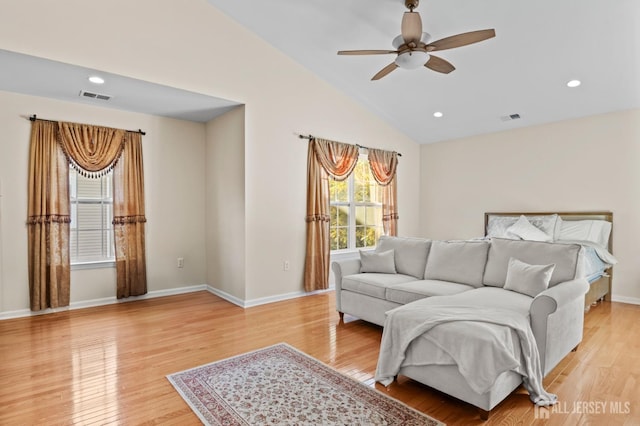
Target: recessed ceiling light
[574,83]
[96,80]
[437,114]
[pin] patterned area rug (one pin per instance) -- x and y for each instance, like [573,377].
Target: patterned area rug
[279,385]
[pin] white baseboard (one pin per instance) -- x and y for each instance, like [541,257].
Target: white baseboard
[262,300]
[161,293]
[625,299]
[103,301]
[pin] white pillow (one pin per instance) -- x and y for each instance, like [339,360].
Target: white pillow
[528,279]
[525,230]
[497,225]
[596,231]
[380,262]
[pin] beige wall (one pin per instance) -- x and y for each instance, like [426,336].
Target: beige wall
[193,46]
[174,169]
[225,203]
[586,164]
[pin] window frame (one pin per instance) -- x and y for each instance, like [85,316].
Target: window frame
[352,204]
[105,199]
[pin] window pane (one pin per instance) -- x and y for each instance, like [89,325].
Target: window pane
[374,216]
[339,191]
[89,188]
[89,216]
[343,238]
[360,215]
[333,237]
[370,236]
[343,216]
[360,236]
[333,216]
[89,244]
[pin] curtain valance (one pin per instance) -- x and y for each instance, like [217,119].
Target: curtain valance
[92,150]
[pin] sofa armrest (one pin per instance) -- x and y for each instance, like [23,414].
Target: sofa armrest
[557,319]
[341,269]
[550,300]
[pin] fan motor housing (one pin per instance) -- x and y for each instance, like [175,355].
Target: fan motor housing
[411,4]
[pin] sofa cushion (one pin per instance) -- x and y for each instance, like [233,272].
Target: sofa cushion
[409,292]
[565,257]
[410,253]
[381,262]
[486,297]
[373,284]
[527,279]
[457,261]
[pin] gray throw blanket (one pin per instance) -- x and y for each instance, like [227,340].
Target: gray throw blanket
[405,324]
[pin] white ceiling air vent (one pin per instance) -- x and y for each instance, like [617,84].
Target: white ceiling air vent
[510,117]
[91,95]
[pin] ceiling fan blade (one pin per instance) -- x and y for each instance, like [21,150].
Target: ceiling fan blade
[366,52]
[411,27]
[384,71]
[440,65]
[461,40]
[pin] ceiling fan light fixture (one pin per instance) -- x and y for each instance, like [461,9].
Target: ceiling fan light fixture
[412,60]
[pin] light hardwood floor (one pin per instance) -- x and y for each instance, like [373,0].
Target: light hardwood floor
[107,365]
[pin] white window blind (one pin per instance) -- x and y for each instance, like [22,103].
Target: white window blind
[91,216]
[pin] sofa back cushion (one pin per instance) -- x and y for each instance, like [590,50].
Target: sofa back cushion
[461,262]
[410,253]
[564,256]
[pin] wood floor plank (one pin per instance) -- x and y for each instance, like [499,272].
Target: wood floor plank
[108,365]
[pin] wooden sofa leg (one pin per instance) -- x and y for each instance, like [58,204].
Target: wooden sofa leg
[484,415]
[576,348]
[341,316]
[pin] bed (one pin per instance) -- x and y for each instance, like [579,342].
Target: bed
[593,230]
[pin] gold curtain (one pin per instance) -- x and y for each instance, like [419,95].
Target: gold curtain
[91,150]
[324,159]
[129,219]
[48,219]
[383,167]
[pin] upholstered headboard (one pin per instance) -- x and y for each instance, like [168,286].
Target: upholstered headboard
[567,216]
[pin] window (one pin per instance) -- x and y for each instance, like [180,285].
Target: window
[91,216]
[355,209]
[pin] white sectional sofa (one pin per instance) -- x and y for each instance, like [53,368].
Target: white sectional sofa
[409,270]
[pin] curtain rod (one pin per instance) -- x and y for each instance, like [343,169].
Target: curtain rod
[313,137]
[34,118]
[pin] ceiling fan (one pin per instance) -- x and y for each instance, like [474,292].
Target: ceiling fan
[414,49]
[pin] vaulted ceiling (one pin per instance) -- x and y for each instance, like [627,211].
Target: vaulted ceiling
[539,46]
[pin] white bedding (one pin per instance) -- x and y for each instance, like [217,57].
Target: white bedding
[482,342]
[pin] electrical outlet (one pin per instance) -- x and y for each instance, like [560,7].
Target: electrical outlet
[285,265]
[181,262]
